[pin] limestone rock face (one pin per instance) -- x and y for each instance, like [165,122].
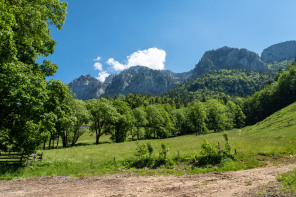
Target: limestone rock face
[87,87]
[229,58]
[279,52]
[139,79]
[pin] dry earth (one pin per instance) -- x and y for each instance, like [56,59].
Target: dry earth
[239,183]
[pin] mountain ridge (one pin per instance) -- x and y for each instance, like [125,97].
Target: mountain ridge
[141,79]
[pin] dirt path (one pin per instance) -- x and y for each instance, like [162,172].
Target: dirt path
[238,183]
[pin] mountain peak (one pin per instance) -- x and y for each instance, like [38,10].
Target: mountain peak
[229,58]
[279,52]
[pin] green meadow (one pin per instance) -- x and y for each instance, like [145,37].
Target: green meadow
[272,140]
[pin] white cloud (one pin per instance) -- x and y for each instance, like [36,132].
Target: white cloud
[152,58]
[115,64]
[102,76]
[97,59]
[98,66]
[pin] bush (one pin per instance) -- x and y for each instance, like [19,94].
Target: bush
[213,155]
[145,158]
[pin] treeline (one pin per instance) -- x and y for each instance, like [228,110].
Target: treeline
[148,117]
[141,117]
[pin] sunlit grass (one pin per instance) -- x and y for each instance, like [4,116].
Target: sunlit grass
[268,140]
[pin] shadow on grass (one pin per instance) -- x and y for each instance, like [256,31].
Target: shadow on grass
[87,144]
[10,167]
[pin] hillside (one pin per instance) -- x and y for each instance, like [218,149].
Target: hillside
[281,124]
[233,82]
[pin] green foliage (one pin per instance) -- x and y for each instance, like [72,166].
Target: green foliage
[217,118]
[141,150]
[149,148]
[217,84]
[145,158]
[277,66]
[25,35]
[164,151]
[103,115]
[289,180]
[273,97]
[213,155]
[197,116]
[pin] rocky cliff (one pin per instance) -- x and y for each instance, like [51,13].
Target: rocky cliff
[87,87]
[229,58]
[139,79]
[279,52]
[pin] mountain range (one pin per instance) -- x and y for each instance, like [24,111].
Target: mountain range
[143,80]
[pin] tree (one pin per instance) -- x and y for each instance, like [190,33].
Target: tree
[181,122]
[140,120]
[159,121]
[236,117]
[216,115]
[197,116]
[81,116]
[25,35]
[123,123]
[59,102]
[103,115]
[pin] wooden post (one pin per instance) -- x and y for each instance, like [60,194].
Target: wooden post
[219,146]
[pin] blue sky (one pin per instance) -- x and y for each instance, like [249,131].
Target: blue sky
[169,34]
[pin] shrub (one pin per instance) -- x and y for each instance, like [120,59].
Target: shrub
[145,158]
[213,155]
[164,151]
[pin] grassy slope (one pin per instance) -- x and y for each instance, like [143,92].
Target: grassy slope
[273,138]
[281,124]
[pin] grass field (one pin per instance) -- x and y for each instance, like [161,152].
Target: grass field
[256,145]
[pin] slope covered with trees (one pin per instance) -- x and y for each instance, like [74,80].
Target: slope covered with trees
[221,83]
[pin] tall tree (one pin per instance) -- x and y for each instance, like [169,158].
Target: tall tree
[59,103]
[103,115]
[81,116]
[197,116]
[25,35]
[140,120]
[217,119]
[123,123]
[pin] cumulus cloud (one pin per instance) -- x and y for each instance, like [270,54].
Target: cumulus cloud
[102,76]
[98,66]
[115,64]
[152,58]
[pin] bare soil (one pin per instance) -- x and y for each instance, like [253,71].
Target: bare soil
[238,183]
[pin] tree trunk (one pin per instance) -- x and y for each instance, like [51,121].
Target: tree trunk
[49,142]
[64,139]
[53,142]
[58,142]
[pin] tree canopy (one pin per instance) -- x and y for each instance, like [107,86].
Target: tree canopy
[25,36]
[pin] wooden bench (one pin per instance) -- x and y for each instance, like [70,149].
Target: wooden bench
[16,157]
